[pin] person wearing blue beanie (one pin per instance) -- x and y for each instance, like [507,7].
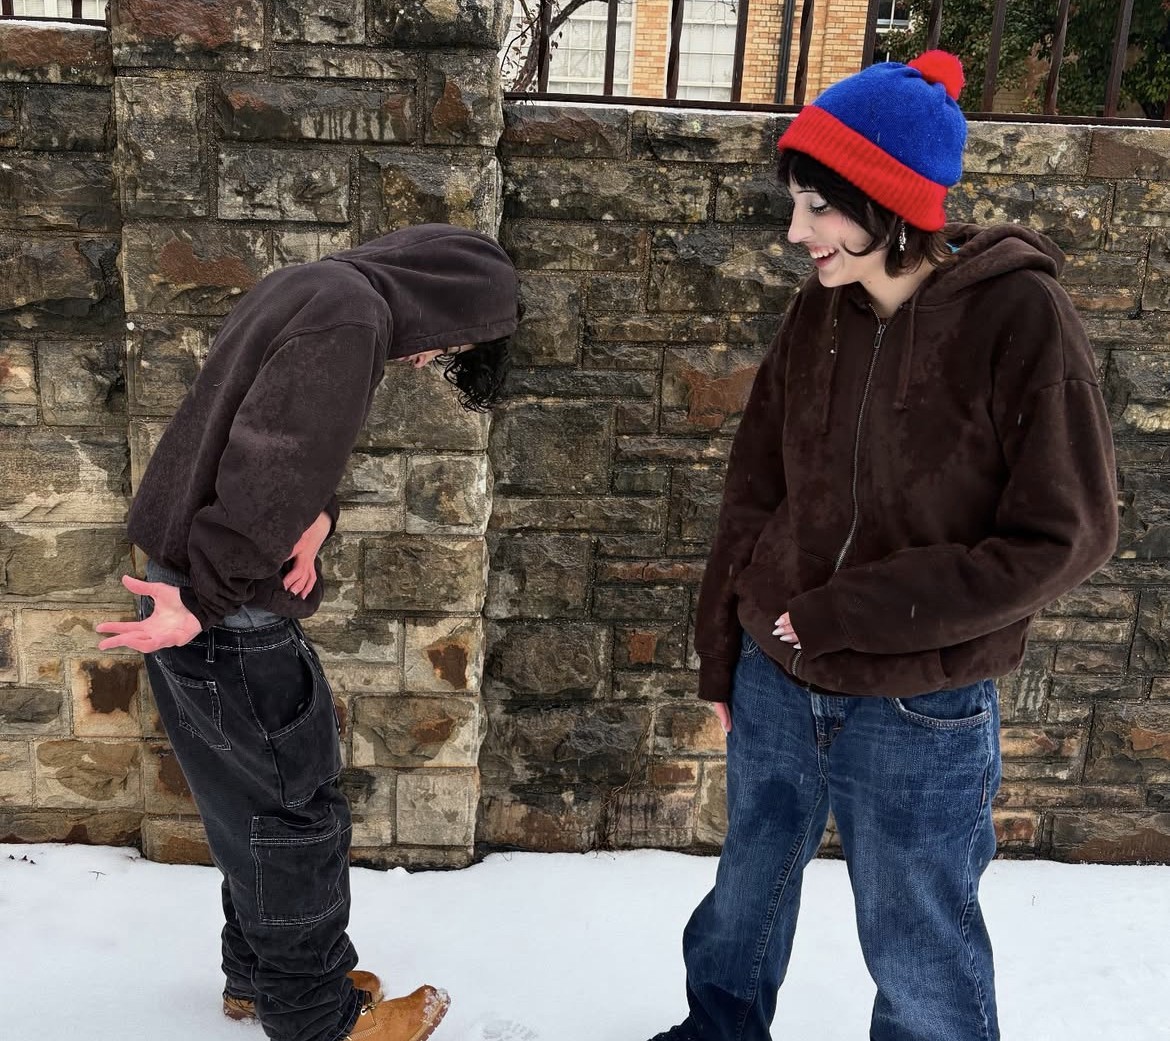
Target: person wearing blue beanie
[924,462]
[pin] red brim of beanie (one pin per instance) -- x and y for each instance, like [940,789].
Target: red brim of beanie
[885,180]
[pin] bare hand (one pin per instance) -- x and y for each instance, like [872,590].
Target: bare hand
[302,576]
[785,631]
[723,711]
[170,625]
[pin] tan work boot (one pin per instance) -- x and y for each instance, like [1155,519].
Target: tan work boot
[245,1008]
[412,1018]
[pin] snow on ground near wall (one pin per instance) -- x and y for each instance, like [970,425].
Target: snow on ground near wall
[101,945]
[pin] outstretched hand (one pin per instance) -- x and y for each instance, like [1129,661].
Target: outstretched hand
[170,625]
[302,576]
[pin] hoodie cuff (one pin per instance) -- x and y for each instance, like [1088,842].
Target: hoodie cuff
[715,678]
[816,623]
[191,602]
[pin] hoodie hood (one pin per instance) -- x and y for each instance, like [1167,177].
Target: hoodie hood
[444,285]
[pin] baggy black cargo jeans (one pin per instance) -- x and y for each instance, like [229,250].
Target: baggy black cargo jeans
[250,716]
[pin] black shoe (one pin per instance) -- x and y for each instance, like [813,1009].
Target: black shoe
[682,1032]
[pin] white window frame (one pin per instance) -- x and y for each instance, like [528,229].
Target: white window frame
[721,17]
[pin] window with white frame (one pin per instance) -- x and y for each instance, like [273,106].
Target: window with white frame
[577,52]
[707,49]
[94,9]
[893,15]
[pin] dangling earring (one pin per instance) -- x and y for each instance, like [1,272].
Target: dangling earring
[902,238]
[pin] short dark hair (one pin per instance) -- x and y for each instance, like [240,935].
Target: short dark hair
[882,225]
[480,374]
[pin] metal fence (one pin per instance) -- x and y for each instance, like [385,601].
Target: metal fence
[543,32]
[89,12]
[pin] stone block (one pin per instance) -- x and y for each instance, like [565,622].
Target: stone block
[639,480]
[752,195]
[550,331]
[162,172]
[1094,602]
[606,190]
[656,685]
[418,410]
[562,246]
[305,246]
[538,576]
[1091,658]
[63,478]
[564,819]
[82,383]
[9,116]
[1111,837]
[587,742]
[638,819]
[1071,214]
[319,21]
[9,670]
[163,359]
[695,495]
[371,794]
[437,809]
[1142,203]
[169,840]
[62,193]
[705,389]
[1128,152]
[565,131]
[1130,743]
[1026,149]
[59,283]
[1046,795]
[551,449]
[1156,293]
[1024,694]
[18,383]
[447,494]
[31,710]
[322,63]
[102,774]
[16,774]
[113,828]
[716,269]
[711,822]
[361,652]
[617,293]
[409,732]
[598,515]
[1016,830]
[657,328]
[688,730]
[63,564]
[212,34]
[192,269]
[649,602]
[672,450]
[573,383]
[440,23]
[144,437]
[415,573]
[688,136]
[400,188]
[1144,536]
[74,119]
[552,662]
[49,638]
[646,644]
[105,696]
[444,655]
[165,788]
[374,492]
[258,110]
[33,52]
[463,93]
[283,185]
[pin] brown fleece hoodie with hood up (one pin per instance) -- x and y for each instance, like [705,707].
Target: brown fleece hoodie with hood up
[913,490]
[257,448]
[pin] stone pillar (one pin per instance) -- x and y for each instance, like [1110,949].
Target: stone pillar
[253,134]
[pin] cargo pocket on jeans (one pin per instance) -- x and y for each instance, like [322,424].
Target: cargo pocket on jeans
[197,706]
[301,870]
[307,752]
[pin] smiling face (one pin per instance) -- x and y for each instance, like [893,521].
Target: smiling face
[827,234]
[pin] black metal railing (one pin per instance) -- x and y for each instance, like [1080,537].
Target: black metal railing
[8,10]
[546,25]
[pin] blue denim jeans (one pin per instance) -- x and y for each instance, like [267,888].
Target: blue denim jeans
[250,716]
[910,783]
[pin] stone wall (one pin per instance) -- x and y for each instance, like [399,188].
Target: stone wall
[250,135]
[655,270]
[508,628]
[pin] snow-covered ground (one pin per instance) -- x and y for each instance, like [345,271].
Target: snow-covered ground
[97,944]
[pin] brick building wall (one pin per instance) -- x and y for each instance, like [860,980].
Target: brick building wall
[508,625]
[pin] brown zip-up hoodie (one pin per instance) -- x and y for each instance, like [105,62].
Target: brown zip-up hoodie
[258,446]
[913,491]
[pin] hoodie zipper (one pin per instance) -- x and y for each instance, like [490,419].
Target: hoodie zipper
[877,346]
